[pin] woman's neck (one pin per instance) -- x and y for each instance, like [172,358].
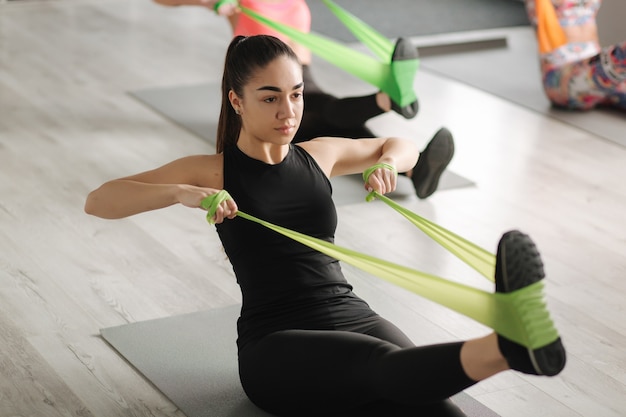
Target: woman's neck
[267,152]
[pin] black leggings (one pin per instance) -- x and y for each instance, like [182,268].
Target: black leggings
[374,370]
[327,115]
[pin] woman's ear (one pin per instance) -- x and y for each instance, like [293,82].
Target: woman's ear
[235,101]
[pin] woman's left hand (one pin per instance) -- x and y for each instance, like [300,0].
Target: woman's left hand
[383,179]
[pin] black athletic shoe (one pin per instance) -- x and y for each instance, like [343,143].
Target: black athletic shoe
[518,265]
[432,162]
[408,112]
[404,51]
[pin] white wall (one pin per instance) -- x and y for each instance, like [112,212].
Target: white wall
[612,22]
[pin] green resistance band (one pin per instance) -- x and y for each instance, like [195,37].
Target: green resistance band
[520,316]
[476,257]
[393,77]
[370,170]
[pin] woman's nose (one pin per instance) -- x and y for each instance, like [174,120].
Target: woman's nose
[287,110]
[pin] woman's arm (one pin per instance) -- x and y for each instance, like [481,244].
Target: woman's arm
[340,156]
[185,181]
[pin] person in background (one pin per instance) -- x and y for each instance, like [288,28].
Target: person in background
[326,114]
[578,74]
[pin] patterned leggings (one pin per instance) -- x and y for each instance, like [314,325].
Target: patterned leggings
[592,82]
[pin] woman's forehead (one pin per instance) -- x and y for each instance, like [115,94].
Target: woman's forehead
[283,72]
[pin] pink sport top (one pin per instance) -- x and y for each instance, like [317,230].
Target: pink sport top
[294,13]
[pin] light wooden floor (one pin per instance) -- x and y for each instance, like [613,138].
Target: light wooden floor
[67,124]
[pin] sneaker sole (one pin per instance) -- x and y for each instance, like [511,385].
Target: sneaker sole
[438,153]
[521,266]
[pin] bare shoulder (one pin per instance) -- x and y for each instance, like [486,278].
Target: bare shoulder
[199,170]
[324,150]
[202,160]
[343,156]
[328,146]
[207,170]
[197,163]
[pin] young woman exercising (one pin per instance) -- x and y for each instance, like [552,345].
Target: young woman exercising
[578,74]
[307,344]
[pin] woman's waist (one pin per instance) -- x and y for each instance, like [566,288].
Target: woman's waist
[316,305]
[275,301]
[321,309]
[572,52]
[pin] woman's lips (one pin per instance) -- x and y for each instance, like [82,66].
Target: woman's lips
[286,129]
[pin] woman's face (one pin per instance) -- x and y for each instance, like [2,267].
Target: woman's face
[271,106]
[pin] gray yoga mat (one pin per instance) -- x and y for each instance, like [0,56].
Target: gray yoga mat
[192,359]
[513,74]
[197,107]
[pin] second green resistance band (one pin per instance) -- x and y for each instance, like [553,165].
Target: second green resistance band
[393,77]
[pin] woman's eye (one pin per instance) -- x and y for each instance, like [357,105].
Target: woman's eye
[270,99]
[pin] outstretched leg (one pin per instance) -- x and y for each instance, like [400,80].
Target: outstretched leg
[335,372]
[330,372]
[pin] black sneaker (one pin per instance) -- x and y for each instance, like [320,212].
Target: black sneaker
[408,112]
[518,265]
[431,163]
[404,51]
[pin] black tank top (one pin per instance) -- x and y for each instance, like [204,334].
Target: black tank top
[284,284]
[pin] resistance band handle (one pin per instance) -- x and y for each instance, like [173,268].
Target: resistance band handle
[383,165]
[223,2]
[212,202]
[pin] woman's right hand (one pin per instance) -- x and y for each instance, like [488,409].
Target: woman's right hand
[192,196]
[228,9]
